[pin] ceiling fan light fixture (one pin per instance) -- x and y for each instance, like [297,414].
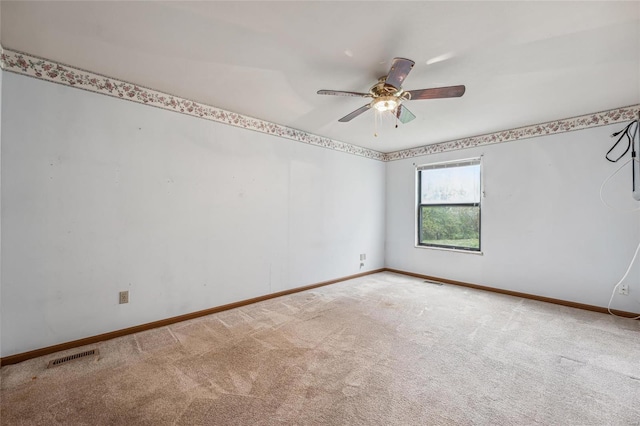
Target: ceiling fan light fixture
[385,103]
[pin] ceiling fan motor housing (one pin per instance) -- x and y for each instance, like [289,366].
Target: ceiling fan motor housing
[383,89]
[385,96]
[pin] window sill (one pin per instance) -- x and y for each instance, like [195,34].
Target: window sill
[449,249]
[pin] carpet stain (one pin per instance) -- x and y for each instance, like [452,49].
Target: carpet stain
[156,339]
[569,361]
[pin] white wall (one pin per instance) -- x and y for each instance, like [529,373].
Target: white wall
[544,230]
[101,195]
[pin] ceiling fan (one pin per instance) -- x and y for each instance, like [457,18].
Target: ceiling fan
[388,94]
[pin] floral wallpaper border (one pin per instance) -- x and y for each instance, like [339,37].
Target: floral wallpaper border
[33,66]
[597,119]
[23,63]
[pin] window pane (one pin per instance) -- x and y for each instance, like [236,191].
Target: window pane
[450,226]
[450,185]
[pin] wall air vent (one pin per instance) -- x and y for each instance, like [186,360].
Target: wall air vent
[65,359]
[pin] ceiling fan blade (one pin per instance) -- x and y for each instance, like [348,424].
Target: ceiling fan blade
[354,114]
[437,92]
[342,93]
[404,115]
[400,68]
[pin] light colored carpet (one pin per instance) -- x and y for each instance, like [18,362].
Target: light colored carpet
[379,350]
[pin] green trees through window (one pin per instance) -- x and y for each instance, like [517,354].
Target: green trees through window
[454,226]
[449,205]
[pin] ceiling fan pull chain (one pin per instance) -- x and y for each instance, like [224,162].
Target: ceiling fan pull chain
[375,124]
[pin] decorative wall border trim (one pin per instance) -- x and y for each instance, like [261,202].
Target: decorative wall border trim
[33,66]
[44,69]
[597,119]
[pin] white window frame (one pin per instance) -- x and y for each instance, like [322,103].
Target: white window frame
[417,188]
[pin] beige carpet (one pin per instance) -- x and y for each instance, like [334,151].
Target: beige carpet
[379,350]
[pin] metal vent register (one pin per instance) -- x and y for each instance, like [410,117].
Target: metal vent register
[65,359]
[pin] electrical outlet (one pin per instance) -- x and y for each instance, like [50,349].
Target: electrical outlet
[623,289]
[124,297]
[363,256]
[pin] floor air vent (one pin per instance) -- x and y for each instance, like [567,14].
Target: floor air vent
[65,359]
[433,282]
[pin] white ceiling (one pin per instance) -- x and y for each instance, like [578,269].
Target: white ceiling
[522,62]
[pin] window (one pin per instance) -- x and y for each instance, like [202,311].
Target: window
[449,205]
